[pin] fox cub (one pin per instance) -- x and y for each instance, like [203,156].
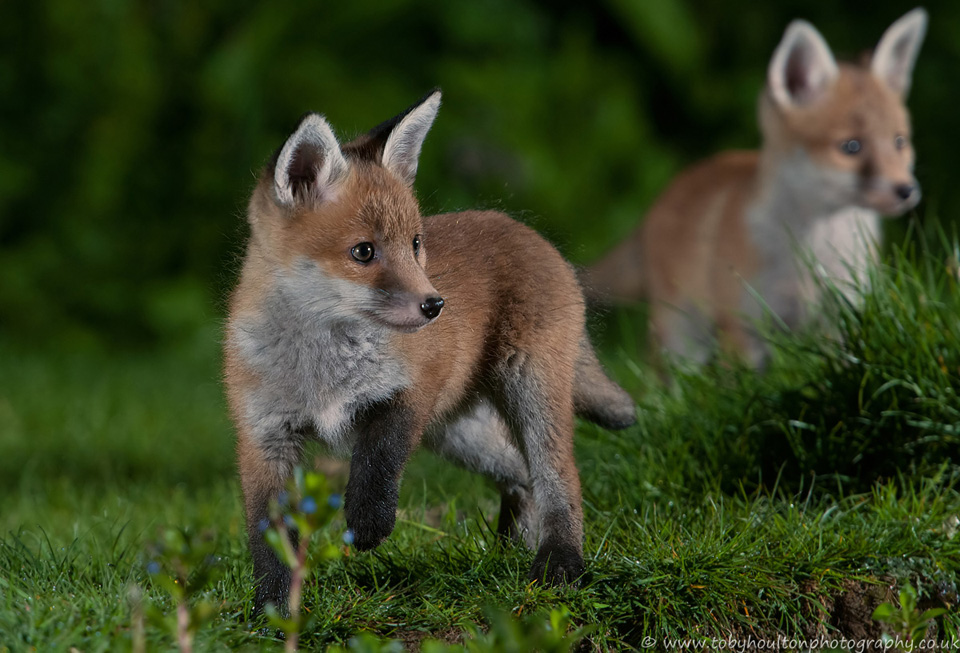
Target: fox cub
[363,325]
[836,154]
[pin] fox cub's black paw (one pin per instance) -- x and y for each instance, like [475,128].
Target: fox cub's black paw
[272,589]
[369,534]
[557,564]
[370,521]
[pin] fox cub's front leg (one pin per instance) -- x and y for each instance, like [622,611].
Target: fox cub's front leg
[379,454]
[263,475]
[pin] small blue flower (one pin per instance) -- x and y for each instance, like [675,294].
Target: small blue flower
[263,525]
[288,520]
[153,567]
[283,498]
[348,537]
[335,501]
[308,505]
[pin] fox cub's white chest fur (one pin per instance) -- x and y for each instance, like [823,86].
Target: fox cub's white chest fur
[317,370]
[799,235]
[841,247]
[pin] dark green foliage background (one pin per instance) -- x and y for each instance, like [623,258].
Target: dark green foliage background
[130,132]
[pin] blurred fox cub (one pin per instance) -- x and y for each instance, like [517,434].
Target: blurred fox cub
[836,154]
[358,323]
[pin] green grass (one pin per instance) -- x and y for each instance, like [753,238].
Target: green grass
[741,504]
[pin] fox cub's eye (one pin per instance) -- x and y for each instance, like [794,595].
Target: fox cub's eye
[851,147]
[416,245]
[362,252]
[900,142]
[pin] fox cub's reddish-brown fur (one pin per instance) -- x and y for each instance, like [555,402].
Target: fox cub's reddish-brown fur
[358,323]
[836,153]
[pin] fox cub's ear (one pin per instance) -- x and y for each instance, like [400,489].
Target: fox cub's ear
[401,150]
[897,51]
[310,165]
[802,67]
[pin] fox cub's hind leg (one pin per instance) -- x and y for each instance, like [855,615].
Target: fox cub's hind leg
[479,440]
[536,399]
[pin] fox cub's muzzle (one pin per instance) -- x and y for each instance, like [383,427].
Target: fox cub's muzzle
[892,198]
[408,311]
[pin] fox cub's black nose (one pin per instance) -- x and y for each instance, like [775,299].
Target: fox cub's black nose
[904,191]
[431,307]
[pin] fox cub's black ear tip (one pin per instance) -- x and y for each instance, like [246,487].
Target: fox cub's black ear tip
[433,96]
